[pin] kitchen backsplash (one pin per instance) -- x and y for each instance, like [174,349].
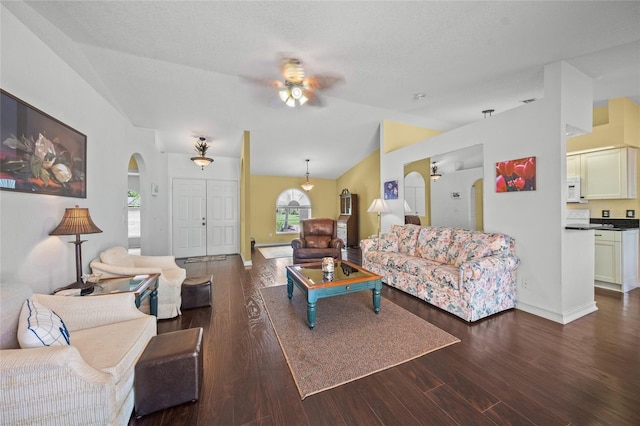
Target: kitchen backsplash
[618,223]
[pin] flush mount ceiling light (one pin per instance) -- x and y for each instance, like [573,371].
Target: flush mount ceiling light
[307,186]
[201,148]
[434,172]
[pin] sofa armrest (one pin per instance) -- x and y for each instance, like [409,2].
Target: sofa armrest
[369,244]
[53,385]
[91,311]
[336,243]
[297,243]
[108,270]
[162,262]
[486,267]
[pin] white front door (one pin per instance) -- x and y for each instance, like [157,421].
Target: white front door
[205,217]
[189,217]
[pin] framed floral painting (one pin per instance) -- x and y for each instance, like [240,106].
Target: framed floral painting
[40,154]
[516,175]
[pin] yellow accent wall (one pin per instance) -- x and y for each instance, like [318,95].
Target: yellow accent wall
[424,168]
[364,180]
[398,135]
[617,125]
[245,199]
[264,193]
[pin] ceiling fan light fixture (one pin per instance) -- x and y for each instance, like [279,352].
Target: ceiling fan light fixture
[201,148]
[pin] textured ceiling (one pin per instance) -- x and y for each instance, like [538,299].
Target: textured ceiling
[178,66]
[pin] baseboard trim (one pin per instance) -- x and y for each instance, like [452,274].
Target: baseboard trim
[563,318]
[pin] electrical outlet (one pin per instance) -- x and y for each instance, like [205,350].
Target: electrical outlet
[606,213]
[525,283]
[631,213]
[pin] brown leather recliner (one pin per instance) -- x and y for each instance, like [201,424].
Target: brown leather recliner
[318,239]
[411,219]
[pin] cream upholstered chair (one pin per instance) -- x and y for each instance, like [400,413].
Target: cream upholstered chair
[117,261]
[89,379]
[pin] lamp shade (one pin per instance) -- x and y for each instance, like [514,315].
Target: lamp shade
[378,206]
[76,221]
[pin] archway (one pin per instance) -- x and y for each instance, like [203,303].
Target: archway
[136,201]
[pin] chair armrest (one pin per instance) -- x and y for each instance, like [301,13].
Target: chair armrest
[297,243]
[40,385]
[162,262]
[91,311]
[118,271]
[336,243]
[368,244]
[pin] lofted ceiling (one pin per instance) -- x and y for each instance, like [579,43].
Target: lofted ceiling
[180,67]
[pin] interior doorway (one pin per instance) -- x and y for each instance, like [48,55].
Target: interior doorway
[134,205]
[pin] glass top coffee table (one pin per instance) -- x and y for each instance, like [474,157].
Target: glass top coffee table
[315,284]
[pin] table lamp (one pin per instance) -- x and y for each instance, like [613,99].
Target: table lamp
[378,206]
[76,221]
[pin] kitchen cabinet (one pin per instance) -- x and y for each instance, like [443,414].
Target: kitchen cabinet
[616,259]
[573,166]
[608,174]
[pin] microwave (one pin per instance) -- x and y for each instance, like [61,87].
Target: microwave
[573,191]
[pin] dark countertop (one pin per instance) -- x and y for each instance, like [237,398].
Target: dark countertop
[606,224]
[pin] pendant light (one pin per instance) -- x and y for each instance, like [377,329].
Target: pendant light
[307,186]
[434,172]
[201,148]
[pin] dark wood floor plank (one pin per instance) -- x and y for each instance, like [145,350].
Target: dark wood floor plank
[511,368]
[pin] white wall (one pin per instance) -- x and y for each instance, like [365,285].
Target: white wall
[535,218]
[37,75]
[449,211]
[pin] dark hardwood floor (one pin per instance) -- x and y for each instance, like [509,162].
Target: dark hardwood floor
[512,368]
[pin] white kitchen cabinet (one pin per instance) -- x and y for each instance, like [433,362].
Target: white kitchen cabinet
[616,259]
[609,174]
[573,166]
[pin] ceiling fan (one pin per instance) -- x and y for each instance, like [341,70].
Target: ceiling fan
[296,89]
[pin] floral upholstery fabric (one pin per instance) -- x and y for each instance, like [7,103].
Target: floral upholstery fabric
[407,238]
[433,243]
[469,274]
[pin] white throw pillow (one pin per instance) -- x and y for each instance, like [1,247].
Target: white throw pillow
[40,326]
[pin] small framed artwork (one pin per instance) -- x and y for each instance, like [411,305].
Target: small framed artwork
[455,195]
[40,154]
[391,190]
[516,175]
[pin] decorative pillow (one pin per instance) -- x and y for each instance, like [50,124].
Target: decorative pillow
[40,326]
[388,242]
[117,256]
[433,243]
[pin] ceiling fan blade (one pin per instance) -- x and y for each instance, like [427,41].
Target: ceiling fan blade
[321,82]
[312,99]
[264,82]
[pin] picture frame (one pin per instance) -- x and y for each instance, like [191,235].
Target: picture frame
[516,175]
[456,195]
[40,154]
[391,190]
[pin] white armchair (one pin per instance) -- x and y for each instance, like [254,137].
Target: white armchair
[118,262]
[89,381]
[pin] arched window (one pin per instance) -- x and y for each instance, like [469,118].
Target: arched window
[292,206]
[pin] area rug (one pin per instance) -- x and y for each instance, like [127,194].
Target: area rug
[205,258]
[276,251]
[349,340]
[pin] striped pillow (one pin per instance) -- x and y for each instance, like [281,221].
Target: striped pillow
[40,326]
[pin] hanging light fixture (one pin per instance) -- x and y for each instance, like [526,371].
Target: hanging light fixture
[293,95]
[201,148]
[434,172]
[307,186]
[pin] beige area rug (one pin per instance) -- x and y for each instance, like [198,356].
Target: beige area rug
[276,251]
[349,340]
[205,258]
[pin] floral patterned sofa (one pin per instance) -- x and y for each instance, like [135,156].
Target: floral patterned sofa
[468,273]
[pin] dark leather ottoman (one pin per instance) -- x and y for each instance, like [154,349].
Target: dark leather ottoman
[169,372]
[196,292]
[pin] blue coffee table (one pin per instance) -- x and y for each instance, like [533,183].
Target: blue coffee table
[347,278]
